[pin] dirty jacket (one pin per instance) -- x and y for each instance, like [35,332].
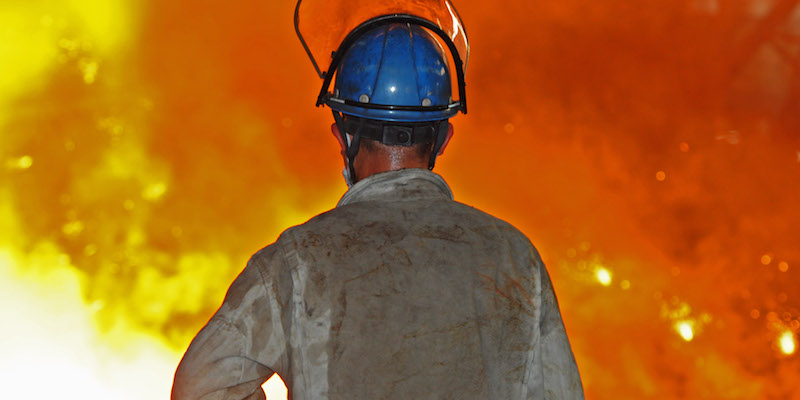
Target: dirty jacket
[397,293]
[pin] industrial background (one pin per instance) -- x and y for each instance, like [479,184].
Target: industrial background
[650,150]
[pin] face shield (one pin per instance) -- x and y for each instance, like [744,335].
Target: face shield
[327,28]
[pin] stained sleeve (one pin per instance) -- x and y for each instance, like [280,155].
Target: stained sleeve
[244,343]
[560,374]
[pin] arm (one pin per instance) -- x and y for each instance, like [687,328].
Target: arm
[559,370]
[244,342]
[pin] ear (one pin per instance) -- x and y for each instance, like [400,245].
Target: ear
[446,139]
[339,137]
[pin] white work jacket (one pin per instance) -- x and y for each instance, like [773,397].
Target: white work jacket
[397,293]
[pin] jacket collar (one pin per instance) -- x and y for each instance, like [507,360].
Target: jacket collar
[401,185]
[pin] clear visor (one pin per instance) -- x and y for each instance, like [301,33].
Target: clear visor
[322,25]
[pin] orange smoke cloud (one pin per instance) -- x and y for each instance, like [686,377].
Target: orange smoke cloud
[651,154]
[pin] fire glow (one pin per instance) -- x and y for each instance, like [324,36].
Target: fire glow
[603,276]
[148,148]
[787,343]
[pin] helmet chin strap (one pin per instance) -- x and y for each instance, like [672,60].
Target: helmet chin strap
[352,146]
[441,135]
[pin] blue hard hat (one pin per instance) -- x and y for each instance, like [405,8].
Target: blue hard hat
[394,72]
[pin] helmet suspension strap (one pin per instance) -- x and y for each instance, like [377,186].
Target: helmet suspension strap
[441,135]
[352,145]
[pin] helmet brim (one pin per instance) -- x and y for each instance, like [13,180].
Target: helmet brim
[393,114]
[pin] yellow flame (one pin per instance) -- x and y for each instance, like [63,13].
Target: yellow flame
[50,323]
[26,50]
[787,342]
[90,363]
[84,363]
[35,36]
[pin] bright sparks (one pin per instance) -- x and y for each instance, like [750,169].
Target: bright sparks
[685,329]
[787,342]
[20,163]
[89,70]
[154,191]
[783,266]
[73,228]
[603,276]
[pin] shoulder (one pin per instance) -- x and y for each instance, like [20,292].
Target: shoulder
[506,238]
[313,233]
[500,226]
[266,265]
[265,256]
[293,235]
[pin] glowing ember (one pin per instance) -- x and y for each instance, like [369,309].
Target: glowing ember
[23,162]
[603,276]
[72,228]
[685,329]
[89,69]
[154,191]
[787,342]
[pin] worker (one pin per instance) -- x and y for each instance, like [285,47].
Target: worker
[399,292]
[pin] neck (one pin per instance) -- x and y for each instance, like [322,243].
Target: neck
[386,158]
